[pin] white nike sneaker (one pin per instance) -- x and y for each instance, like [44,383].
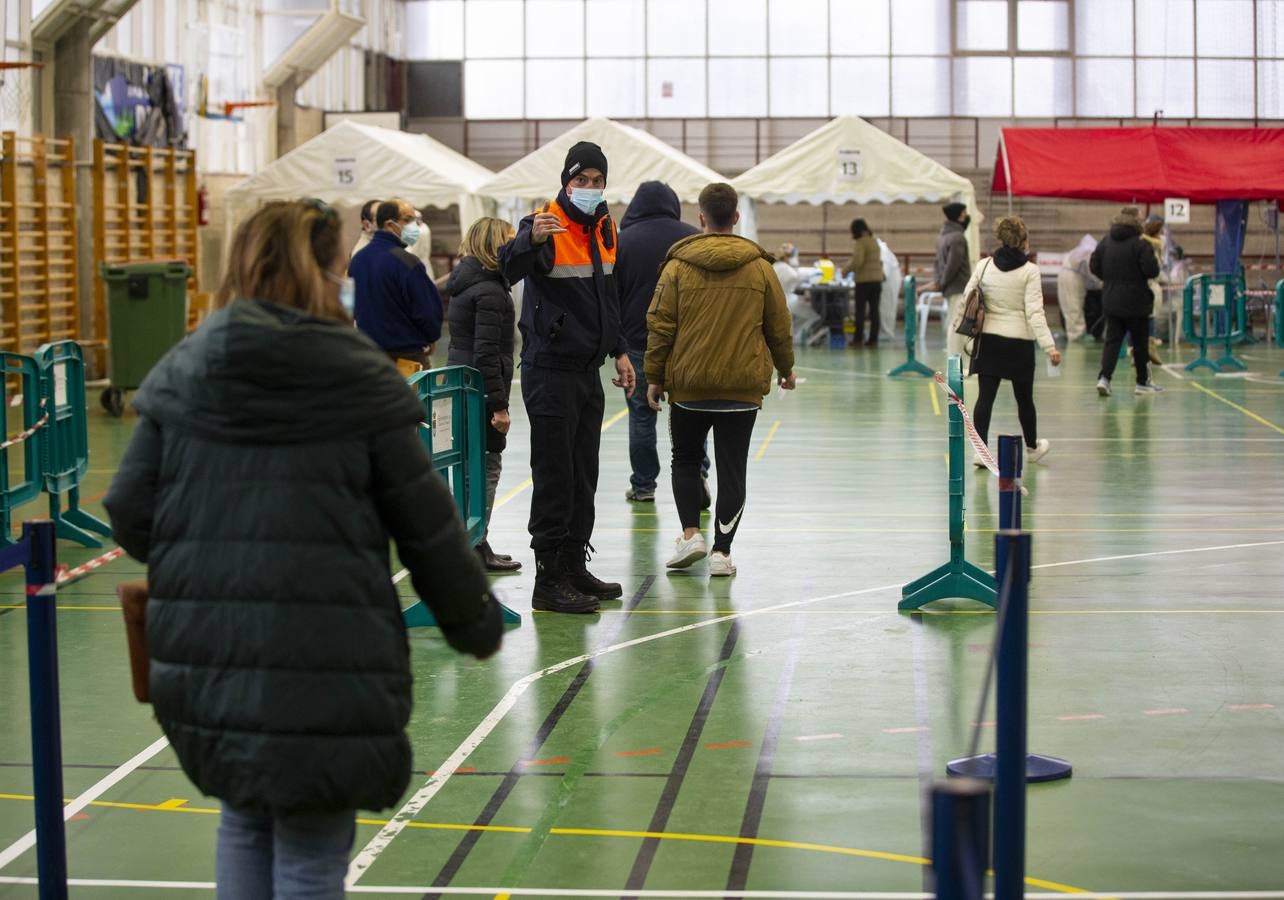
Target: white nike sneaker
[1039,450]
[686,551]
[720,565]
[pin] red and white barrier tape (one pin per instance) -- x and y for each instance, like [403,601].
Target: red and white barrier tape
[22,436]
[66,575]
[982,451]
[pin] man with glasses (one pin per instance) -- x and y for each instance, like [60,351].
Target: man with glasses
[397,305]
[570,324]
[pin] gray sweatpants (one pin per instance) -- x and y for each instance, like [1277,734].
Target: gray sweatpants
[494,465]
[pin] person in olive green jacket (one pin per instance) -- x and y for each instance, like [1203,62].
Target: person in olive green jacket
[867,265]
[717,325]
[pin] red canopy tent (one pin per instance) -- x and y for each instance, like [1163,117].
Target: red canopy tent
[1143,165]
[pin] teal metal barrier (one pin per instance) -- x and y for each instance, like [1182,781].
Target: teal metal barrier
[1279,315]
[65,448]
[1221,318]
[958,577]
[27,373]
[454,433]
[911,364]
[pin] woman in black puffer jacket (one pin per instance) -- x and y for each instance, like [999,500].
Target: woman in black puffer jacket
[481,336]
[276,452]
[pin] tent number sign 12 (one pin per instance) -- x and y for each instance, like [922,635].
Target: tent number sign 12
[1177,211]
[345,172]
[850,166]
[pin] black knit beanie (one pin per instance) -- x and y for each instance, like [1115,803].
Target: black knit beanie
[954,210]
[584,155]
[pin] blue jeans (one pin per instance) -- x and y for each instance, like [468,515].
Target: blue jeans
[642,453]
[295,857]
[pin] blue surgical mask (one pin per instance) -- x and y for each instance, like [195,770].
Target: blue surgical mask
[410,233]
[348,295]
[586,200]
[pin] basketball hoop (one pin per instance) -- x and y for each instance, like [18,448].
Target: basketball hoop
[16,95]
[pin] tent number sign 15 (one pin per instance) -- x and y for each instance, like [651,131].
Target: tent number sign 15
[850,166]
[345,172]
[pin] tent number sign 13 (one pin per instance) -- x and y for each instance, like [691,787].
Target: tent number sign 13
[345,172]
[850,166]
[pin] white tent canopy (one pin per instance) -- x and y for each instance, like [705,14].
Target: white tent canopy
[351,163]
[633,156]
[848,160]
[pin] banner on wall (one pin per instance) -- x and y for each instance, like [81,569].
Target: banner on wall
[139,104]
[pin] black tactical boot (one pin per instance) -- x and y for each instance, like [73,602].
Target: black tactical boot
[554,593]
[573,561]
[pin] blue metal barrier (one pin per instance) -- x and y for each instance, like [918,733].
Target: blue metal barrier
[66,444]
[960,838]
[1038,768]
[36,551]
[911,364]
[1221,317]
[454,433]
[27,489]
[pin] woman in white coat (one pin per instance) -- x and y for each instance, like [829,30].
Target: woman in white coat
[1014,325]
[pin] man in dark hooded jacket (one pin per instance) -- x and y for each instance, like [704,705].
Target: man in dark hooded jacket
[651,225]
[1124,262]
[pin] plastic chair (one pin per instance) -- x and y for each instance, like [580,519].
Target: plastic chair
[928,301]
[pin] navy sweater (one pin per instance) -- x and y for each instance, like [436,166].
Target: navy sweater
[397,304]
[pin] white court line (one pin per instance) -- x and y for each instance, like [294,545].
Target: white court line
[28,840]
[362,861]
[1174,369]
[615,892]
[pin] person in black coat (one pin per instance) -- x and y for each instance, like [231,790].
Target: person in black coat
[481,335]
[1125,263]
[651,225]
[261,490]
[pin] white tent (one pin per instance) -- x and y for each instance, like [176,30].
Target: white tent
[633,156]
[848,160]
[350,163]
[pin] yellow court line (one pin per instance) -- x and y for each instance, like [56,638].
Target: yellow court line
[766,442]
[1248,412]
[615,418]
[936,401]
[169,806]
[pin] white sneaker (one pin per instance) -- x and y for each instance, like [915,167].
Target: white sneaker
[686,551]
[720,565]
[1103,387]
[1040,450]
[1148,388]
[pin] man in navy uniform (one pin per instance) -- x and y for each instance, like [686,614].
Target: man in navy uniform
[397,305]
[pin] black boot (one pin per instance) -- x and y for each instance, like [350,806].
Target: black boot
[493,562]
[573,564]
[554,593]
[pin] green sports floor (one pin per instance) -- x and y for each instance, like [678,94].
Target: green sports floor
[771,735]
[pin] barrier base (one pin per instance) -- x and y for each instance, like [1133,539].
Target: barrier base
[1037,768]
[912,366]
[1202,362]
[1230,362]
[952,580]
[75,524]
[418,615]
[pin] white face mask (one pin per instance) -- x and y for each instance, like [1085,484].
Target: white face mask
[586,200]
[410,234]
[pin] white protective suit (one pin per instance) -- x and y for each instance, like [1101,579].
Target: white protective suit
[802,313]
[1073,282]
[891,298]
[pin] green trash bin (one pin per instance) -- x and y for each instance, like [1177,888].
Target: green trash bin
[147,314]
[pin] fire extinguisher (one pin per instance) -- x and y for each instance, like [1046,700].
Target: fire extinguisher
[202,206]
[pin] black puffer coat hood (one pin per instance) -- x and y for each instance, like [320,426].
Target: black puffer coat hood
[482,319]
[651,225]
[274,456]
[1124,262]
